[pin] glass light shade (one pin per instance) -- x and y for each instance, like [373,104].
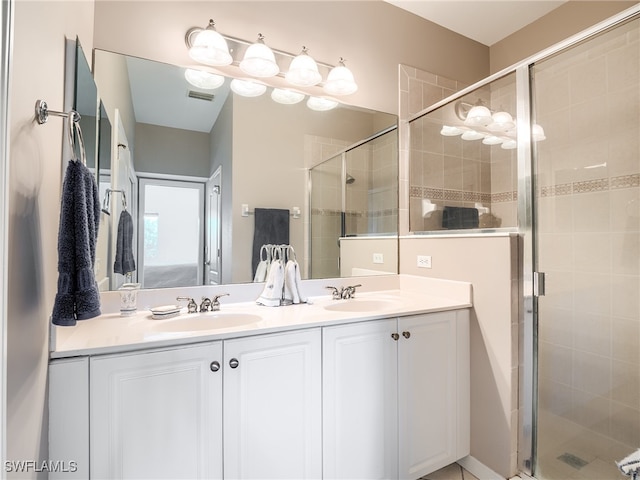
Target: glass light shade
[448,131]
[509,145]
[501,122]
[259,60]
[340,81]
[472,135]
[537,133]
[321,104]
[247,88]
[204,80]
[303,71]
[210,48]
[286,97]
[478,115]
[492,140]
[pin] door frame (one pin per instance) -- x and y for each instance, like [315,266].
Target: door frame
[214,183]
[6,51]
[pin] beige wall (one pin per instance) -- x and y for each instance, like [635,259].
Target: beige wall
[330,29]
[163,150]
[38,71]
[568,19]
[490,264]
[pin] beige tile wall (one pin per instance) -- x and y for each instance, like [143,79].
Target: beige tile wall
[589,220]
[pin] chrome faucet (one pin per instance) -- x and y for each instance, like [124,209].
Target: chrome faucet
[349,292]
[344,293]
[192,306]
[335,294]
[205,305]
[215,304]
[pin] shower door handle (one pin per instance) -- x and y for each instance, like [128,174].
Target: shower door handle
[539,284]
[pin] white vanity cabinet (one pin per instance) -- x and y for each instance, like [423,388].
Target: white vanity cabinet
[396,396]
[272,406]
[157,414]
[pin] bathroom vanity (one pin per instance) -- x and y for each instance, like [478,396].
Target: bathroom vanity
[372,387]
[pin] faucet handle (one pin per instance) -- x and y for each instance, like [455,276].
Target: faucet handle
[205,306]
[350,291]
[215,304]
[335,294]
[192,306]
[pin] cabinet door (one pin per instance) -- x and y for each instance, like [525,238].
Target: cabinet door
[272,406]
[360,438]
[157,415]
[427,384]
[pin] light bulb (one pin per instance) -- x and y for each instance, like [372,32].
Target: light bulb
[286,97]
[478,115]
[537,133]
[259,60]
[209,47]
[204,80]
[448,131]
[340,81]
[247,88]
[321,104]
[303,71]
[472,135]
[501,122]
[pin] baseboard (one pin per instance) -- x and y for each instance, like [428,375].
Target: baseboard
[478,469]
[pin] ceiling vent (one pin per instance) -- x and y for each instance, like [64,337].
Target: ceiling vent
[208,97]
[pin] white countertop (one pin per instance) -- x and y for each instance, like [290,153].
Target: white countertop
[113,333]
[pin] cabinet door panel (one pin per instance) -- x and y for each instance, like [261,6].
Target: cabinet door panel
[360,401]
[427,380]
[272,402]
[157,415]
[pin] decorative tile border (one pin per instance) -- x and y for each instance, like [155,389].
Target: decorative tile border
[331,212]
[416,191]
[590,186]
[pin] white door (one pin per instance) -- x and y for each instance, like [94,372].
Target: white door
[157,415]
[272,405]
[427,383]
[360,433]
[213,252]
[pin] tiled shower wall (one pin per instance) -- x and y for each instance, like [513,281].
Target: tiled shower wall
[589,220]
[449,171]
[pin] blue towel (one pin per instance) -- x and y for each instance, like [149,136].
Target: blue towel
[124,262]
[271,227]
[78,297]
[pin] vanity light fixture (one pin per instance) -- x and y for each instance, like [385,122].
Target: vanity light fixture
[259,60]
[501,122]
[340,80]
[492,140]
[208,46]
[303,71]
[472,135]
[537,133]
[286,97]
[247,88]
[202,79]
[479,115]
[321,104]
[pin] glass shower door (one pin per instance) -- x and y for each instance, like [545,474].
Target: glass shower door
[587,235]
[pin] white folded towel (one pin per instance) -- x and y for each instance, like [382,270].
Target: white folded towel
[630,465]
[263,267]
[291,294]
[271,296]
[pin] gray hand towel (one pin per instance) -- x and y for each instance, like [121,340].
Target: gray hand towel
[271,226]
[78,297]
[124,262]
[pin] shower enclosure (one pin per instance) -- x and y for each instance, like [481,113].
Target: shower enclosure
[571,155]
[353,194]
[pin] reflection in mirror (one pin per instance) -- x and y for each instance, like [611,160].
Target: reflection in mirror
[103,246]
[463,174]
[248,153]
[86,104]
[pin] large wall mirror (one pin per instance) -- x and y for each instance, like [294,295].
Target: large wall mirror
[192,165]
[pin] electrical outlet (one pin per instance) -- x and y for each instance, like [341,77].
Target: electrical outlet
[424,261]
[378,258]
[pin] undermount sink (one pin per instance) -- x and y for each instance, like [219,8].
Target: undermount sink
[362,305]
[206,321]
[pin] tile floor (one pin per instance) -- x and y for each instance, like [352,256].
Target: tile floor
[451,472]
